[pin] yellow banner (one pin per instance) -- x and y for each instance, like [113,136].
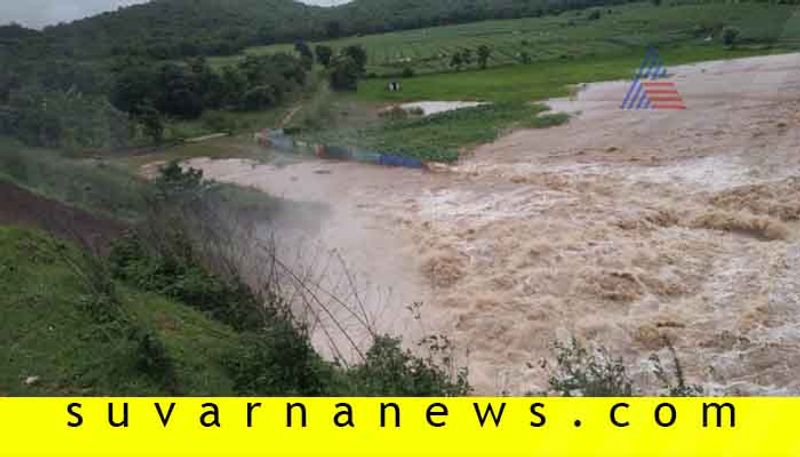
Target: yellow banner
[405,427]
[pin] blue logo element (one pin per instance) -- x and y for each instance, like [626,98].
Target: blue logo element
[652,69]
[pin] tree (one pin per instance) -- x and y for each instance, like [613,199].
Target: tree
[333,29]
[466,57]
[483,55]
[182,102]
[302,48]
[729,36]
[234,84]
[306,56]
[358,55]
[208,83]
[344,74]
[9,81]
[179,94]
[133,86]
[324,55]
[151,122]
[259,97]
[455,61]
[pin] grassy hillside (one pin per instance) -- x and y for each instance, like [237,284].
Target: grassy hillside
[152,315]
[181,28]
[47,339]
[93,185]
[60,335]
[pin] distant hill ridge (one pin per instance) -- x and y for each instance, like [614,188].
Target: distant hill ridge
[165,29]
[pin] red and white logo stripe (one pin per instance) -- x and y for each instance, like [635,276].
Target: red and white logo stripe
[663,95]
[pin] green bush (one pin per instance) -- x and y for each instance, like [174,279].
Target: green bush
[729,36]
[174,272]
[278,360]
[174,182]
[674,384]
[344,73]
[589,373]
[595,373]
[390,371]
[137,346]
[153,360]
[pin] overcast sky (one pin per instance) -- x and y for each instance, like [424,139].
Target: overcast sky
[38,13]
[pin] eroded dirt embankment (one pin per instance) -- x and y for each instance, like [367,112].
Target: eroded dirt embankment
[22,208]
[620,228]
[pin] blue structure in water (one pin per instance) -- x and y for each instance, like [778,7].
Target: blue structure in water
[278,139]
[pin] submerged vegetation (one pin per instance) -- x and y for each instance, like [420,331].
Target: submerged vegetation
[442,137]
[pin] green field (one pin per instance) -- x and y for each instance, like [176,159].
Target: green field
[442,137]
[539,81]
[573,35]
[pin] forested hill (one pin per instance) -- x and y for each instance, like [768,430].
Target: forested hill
[164,29]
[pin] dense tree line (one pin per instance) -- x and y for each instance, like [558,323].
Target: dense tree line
[69,120]
[346,67]
[64,103]
[185,90]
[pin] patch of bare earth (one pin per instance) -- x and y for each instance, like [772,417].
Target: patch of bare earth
[22,208]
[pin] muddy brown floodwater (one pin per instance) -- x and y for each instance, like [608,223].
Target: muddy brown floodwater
[619,228]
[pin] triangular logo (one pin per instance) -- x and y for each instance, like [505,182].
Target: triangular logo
[650,89]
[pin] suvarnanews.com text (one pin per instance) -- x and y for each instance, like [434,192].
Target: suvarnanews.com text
[391,414]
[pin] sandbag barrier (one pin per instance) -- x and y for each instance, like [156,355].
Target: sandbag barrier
[277,139]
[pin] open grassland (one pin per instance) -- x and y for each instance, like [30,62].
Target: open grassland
[573,35]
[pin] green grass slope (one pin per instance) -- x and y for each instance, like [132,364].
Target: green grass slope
[92,185]
[47,339]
